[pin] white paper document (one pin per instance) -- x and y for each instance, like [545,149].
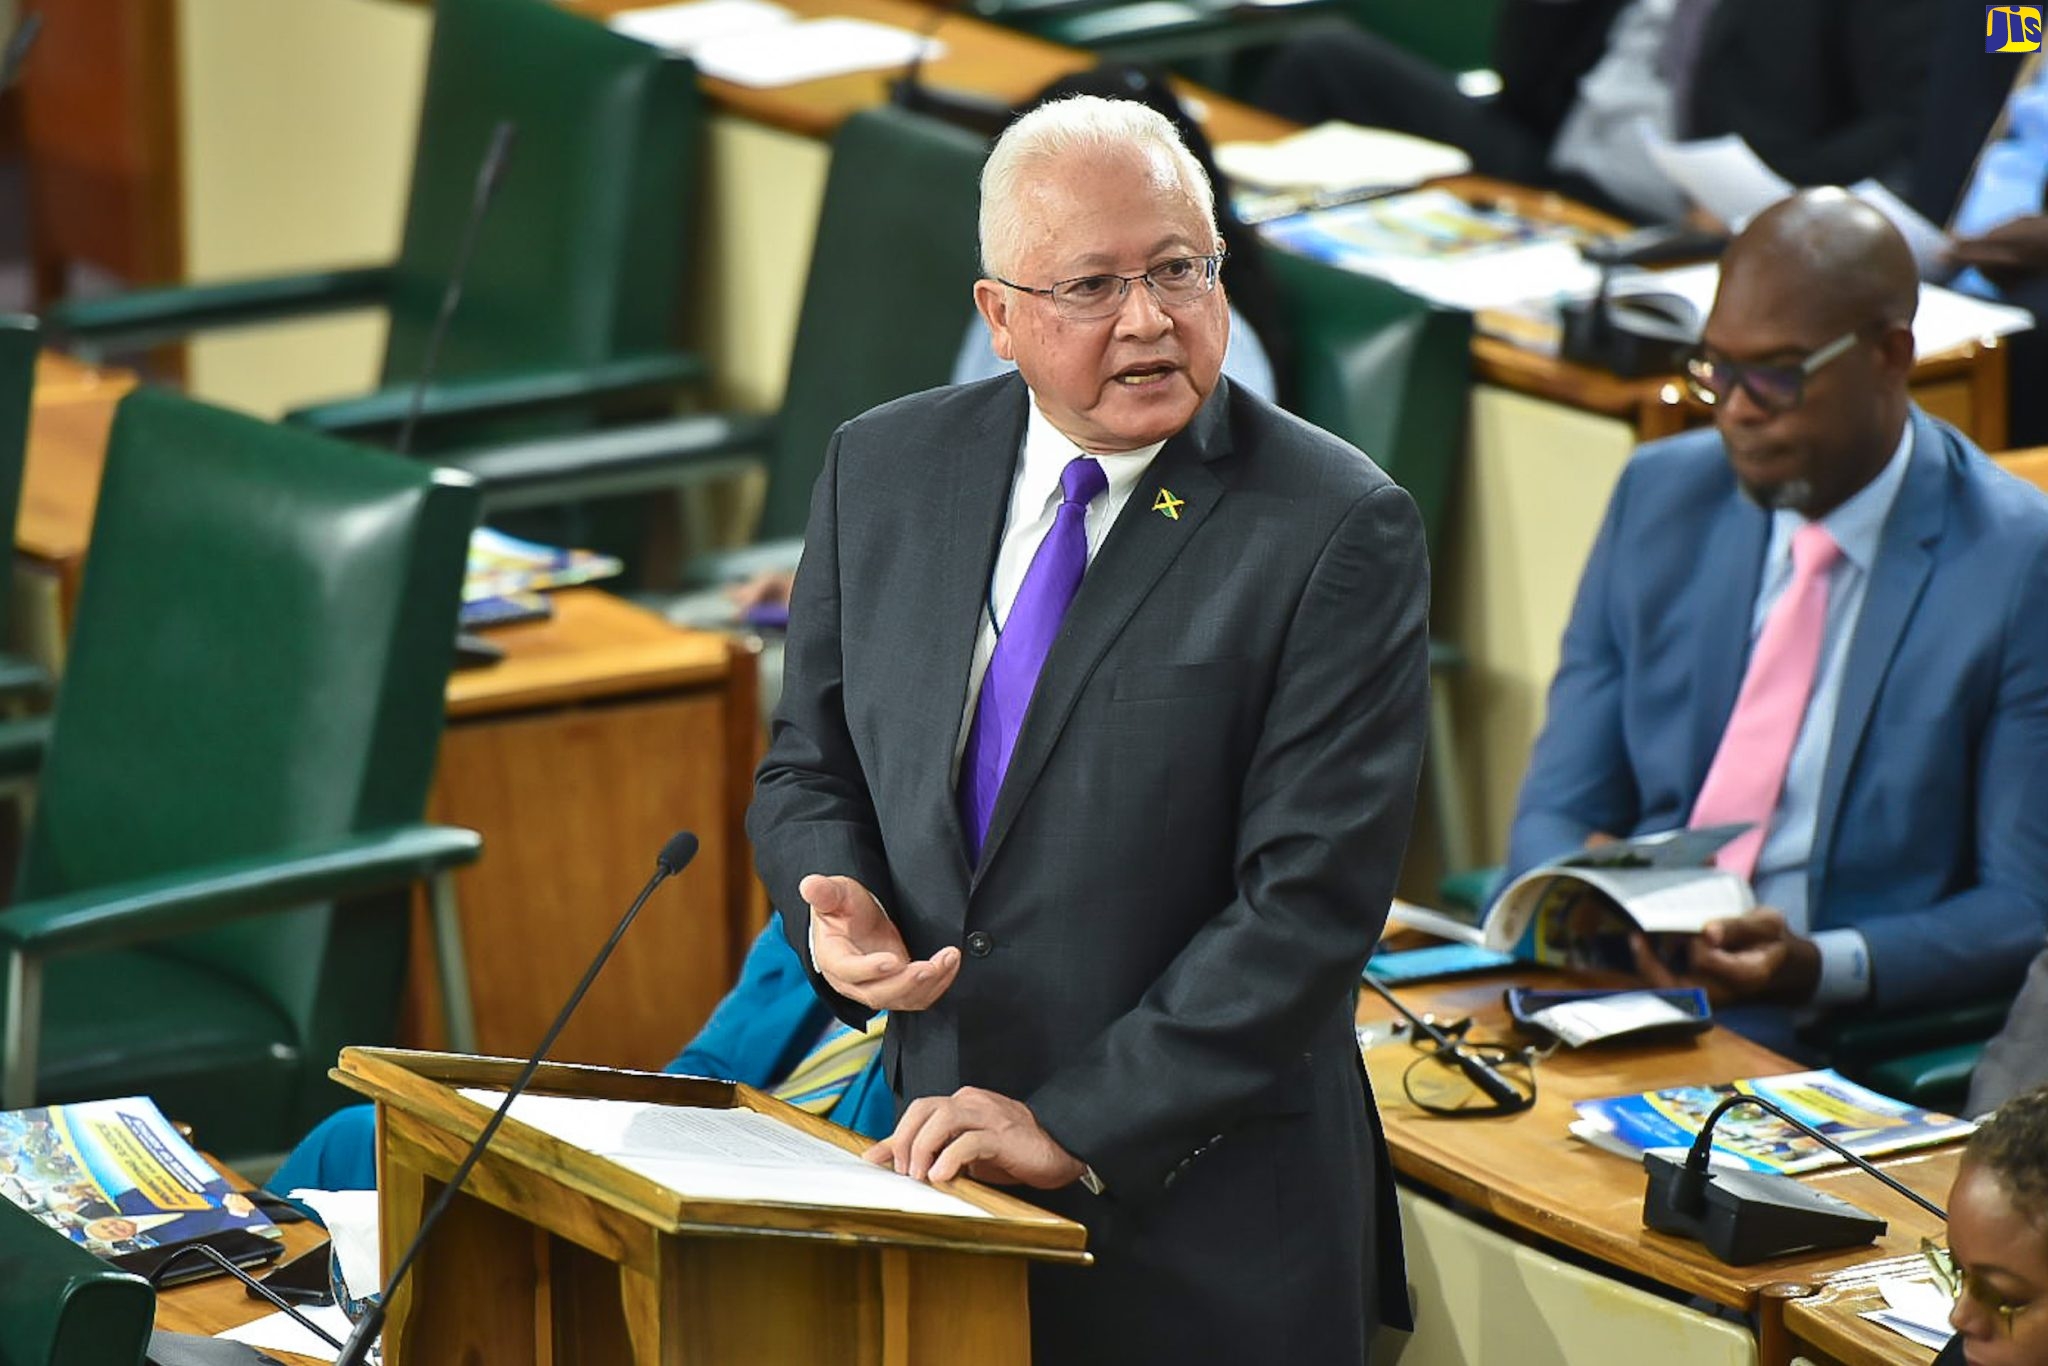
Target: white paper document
[811,51]
[683,28]
[712,1154]
[1339,156]
[282,1333]
[1928,243]
[1916,1310]
[1722,175]
[351,1220]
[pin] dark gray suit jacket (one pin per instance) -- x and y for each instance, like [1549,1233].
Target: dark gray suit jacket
[2017,1060]
[1189,862]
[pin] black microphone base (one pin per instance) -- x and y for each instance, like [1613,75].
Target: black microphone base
[1752,1216]
[976,113]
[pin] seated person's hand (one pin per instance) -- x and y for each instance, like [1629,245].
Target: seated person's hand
[2009,252]
[860,953]
[1752,957]
[975,1133]
[770,588]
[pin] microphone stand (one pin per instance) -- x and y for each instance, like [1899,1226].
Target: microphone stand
[674,857]
[1747,1216]
[1477,1070]
[256,1287]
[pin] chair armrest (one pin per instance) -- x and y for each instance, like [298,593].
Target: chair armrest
[612,460]
[145,317]
[199,898]
[22,744]
[509,392]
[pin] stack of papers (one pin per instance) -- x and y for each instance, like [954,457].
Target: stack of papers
[1334,159]
[758,43]
[726,1154]
[1917,1310]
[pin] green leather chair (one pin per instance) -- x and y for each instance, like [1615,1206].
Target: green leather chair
[62,1306]
[20,343]
[1924,1057]
[889,288]
[1455,34]
[215,891]
[573,296]
[1391,374]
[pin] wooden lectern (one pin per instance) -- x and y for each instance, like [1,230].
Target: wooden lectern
[555,1256]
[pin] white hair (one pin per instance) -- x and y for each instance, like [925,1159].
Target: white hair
[1077,125]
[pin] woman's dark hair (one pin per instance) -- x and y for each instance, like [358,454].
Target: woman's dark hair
[2013,1146]
[1252,292]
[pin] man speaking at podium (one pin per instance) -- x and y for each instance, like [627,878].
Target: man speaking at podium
[1102,714]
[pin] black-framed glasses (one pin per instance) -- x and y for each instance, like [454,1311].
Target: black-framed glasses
[1774,388]
[1960,1282]
[1091,298]
[1442,1080]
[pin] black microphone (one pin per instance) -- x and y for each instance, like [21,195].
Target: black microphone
[256,1287]
[1477,1070]
[1749,1216]
[673,858]
[487,177]
[961,108]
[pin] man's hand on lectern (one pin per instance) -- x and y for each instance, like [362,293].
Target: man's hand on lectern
[976,1133]
[860,953]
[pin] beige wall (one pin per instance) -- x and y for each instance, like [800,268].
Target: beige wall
[297,127]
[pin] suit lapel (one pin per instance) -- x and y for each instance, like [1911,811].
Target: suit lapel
[1140,547]
[973,507]
[1737,541]
[1905,558]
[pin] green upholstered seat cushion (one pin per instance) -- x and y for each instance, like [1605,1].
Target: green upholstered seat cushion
[1938,1079]
[62,1306]
[140,1022]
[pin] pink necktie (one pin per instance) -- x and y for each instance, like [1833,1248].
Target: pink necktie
[1749,768]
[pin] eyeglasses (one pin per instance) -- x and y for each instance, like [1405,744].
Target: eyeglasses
[1774,388]
[1440,1084]
[1090,298]
[1959,1282]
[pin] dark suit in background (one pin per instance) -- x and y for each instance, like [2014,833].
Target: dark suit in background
[1826,91]
[1188,865]
[2017,1060]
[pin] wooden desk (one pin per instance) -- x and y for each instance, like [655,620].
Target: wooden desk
[1828,1327]
[1526,1171]
[603,732]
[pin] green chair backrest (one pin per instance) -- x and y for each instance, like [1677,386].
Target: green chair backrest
[262,649]
[890,288]
[62,1306]
[1388,372]
[20,343]
[582,254]
[1455,34]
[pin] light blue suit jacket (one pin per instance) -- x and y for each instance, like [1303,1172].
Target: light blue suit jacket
[1932,837]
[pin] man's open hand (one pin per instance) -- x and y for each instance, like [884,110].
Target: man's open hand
[975,1133]
[860,953]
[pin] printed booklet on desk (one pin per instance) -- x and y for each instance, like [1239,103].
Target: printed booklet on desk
[1579,911]
[1861,1120]
[114,1177]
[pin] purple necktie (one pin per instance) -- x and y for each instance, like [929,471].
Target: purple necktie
[1021,647]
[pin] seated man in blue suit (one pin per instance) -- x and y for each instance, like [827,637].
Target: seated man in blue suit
[1902,853]
[770,1031]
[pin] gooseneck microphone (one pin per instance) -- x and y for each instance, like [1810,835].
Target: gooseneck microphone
[674,857]
[256,1287]
[488,174]
[1749,1216]
[1477,1070]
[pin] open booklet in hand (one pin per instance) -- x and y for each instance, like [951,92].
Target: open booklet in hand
[114,1177]
[1580,910]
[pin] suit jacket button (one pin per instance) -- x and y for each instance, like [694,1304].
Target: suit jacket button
[980,944]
